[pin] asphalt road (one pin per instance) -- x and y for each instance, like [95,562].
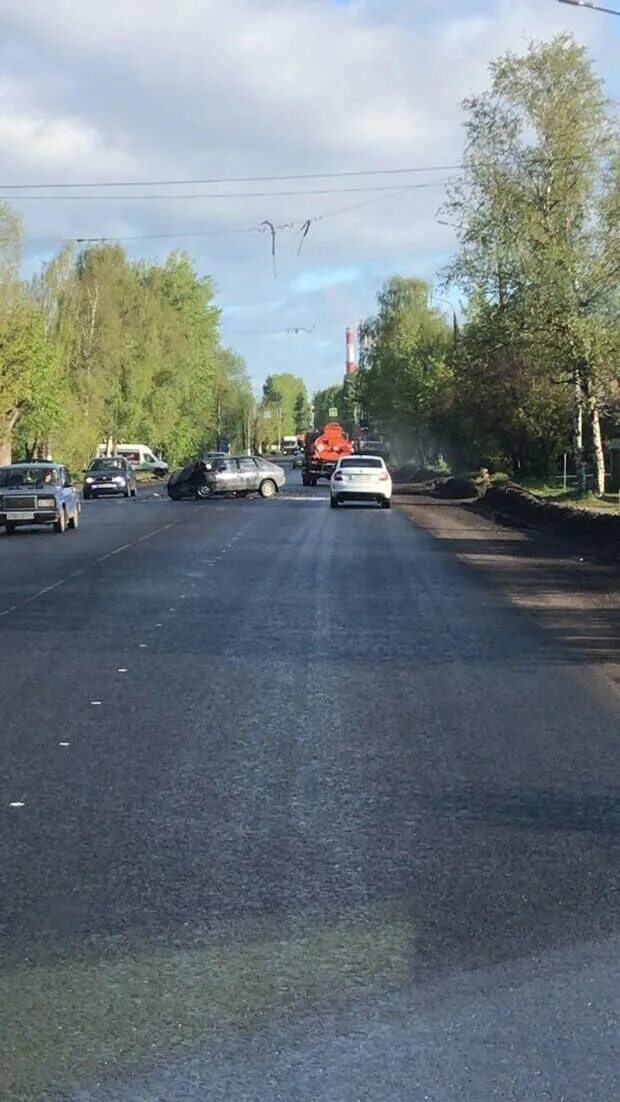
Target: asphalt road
[296,806]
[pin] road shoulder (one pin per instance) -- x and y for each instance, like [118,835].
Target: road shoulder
[575,597]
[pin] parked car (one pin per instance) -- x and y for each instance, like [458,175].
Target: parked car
[109,475]
[140,456]
[361,478]
[37,493]
[238,475]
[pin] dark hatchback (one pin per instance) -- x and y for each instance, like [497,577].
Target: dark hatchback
[109,475]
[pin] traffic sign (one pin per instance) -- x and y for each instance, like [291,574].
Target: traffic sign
[333,412]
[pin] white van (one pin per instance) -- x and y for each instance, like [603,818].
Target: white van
[140,456]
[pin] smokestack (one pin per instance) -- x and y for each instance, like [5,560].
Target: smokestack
[351,367]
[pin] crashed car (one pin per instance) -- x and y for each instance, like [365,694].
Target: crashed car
[238,475]
[187,481]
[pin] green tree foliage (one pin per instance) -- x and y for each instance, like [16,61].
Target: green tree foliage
[405,381]
[324,400]
[537,217]
[100,348]
[287,394]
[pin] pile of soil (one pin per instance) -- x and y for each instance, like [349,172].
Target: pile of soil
[585,526]
[415,475]
[459,488]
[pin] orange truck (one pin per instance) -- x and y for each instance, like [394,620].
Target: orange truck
[322,450]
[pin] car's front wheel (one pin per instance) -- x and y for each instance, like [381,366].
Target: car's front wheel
[9,528]
[268,488]
[60,525]
[86,495]
[333,501]
[204,491]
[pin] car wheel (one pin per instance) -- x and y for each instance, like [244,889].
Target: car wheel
[333,501]
[86,495]
[386,503]
[60,525]
[134,492]
[9,528]
[267,488]
[74,521]
[204,492]
[305,480]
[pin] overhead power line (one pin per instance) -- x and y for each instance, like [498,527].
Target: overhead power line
[90,239]
[234,179]
[274,178]
[147,196]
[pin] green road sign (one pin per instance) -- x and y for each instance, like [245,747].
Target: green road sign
[333,412]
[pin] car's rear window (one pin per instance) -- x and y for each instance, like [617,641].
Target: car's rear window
[361,461]
[107,463]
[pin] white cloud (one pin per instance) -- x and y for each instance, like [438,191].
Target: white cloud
[155,89]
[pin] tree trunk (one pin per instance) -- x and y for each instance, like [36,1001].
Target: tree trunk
[597,446]
[7,424]
[578,455]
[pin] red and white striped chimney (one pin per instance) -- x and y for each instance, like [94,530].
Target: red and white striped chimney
[350,367]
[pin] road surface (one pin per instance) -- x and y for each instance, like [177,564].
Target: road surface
[296,805]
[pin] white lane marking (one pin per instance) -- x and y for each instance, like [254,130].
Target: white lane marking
[17,803]
[144,645]
[158,625]
[95,702]
[122,669]
[83,569]
[63,744]
[117,551]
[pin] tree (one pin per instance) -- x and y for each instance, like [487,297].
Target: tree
[537,218]
[324,400]
[405,373]
[13,373]
[30,384]
[302,412]
[287,394]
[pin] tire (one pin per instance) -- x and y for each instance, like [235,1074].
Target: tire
[386,503]
[60,525]
[10,528]
[204,492]
[305,480]
[86,495]
[74,521]
[134,493]
[268,488]
[333,501]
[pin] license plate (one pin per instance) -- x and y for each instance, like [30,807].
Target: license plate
[20,516]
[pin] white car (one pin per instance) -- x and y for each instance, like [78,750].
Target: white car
[361,478]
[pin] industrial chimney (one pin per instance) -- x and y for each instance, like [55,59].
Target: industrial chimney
[351,366]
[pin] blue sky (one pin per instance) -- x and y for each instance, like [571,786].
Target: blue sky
[155,90]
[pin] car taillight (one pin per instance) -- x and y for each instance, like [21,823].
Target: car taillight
[338,477]
[384,476]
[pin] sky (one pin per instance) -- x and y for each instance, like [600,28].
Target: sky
[112,92]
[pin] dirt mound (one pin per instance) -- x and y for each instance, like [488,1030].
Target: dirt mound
[458,488]
[585,526]
[412,473]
